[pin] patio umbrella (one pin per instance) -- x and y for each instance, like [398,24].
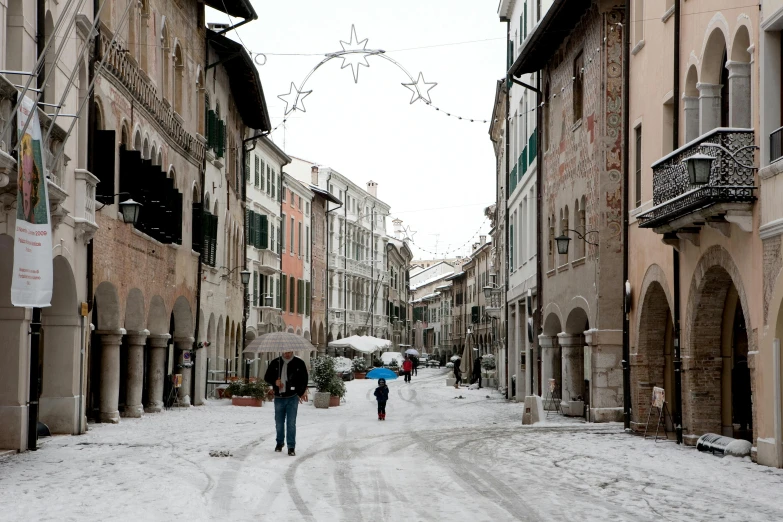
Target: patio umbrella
[382,373]
[412,351]
[278,342]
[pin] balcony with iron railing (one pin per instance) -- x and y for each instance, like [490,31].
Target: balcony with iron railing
[726,195]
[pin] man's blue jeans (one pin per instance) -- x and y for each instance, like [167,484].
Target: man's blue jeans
[285,413]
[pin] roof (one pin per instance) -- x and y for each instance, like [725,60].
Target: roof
[325,194]
[431,280]
[547,36]
[244,80]
[455,276]
[239,8]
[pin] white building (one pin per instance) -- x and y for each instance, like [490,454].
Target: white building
[71,193]
[521,17]
[358,279]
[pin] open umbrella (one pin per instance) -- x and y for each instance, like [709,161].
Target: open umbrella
[278,342]
[381,373]
[412,351]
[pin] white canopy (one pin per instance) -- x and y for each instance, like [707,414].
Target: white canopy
[361,343]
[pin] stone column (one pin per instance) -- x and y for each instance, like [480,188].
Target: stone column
[135,381]
[110,374]
[529,358]
[156,372]
[739,92]
[200,374]
[691,110]
[709,106]
[14,373]
[606,374]
[573,372]
[183,347]
[550,368]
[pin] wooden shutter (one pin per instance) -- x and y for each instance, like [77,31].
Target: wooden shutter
[255,289]
[308,298]
[282,295]
[277,292]
[257,230]
[264,232]
[292,295]
[213,246]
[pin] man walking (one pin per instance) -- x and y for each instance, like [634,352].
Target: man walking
[477,371]
[288,377]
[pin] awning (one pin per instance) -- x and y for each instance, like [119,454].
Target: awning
[361,343]
[244,80]
[239,8]
[551,31]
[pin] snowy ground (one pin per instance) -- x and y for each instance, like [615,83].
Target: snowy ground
[435,458]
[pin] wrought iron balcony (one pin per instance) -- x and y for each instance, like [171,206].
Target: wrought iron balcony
[678,204]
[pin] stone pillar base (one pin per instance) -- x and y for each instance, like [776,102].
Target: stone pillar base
[110,417]
[13,430]
[573,408]
[606,414]
[60,414]
[133,412]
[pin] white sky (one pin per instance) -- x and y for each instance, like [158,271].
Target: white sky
[422,160]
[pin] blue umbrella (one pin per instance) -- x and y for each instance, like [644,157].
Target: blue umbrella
[382,373]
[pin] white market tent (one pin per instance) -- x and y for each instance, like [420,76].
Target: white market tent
[388,357]
[361,343]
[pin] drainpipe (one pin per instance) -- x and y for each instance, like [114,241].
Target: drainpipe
[539,237]
[675,254]
[626,128]
[345,267]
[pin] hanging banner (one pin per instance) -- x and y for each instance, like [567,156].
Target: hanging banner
[31,285]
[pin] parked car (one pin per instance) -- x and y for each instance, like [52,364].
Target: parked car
[423,358]
[433,363]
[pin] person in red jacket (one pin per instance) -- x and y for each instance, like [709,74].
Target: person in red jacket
[407,366]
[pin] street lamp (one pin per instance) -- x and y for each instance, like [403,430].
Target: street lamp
[562,240]
[130,211]
[699,167]
[245,275]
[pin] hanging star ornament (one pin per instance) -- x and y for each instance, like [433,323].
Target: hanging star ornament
[408,233]
[354,54]
[294,99]
[420,89]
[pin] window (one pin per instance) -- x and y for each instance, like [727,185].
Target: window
[268,180]
[283,190]
[307,244]
[307,208]
[579,72]
[282,234]
[282,295]
[511,243]
[273,238]
[255,286]
[257,176]
[293,222]
[299,237]
[292,295]
[638,166]
[300,202]
[261,175]
[638,20]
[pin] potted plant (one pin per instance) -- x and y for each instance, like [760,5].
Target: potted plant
[359,367]
[488,364]
[336,390]
[248,393]
[323,373]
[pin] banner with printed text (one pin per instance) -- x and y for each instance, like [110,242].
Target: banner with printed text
[31,285]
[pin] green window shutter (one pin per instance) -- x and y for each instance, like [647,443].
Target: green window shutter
[282,295]
[309,298]
[268,181]
[255,288]
[257,172]
[292,295]
[213,249]
[264,232]
[257,230]
[512,180]
[532,145]
[523,159]
[248,226]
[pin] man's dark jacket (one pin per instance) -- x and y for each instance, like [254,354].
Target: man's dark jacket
[297,377]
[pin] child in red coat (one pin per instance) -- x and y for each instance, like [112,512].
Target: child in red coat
[407,366]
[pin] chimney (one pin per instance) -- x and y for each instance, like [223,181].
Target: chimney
[482,240]
[397,222]
[314,175]
[372,188]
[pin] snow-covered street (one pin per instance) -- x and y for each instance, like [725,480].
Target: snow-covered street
[436,457]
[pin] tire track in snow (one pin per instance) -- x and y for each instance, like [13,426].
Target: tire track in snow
[348,491]
[224,490]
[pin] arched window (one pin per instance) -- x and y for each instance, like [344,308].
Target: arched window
[50,67]
[206,201]
[137,141]
[201,103]
[144,19]
[179,71]
[145,150]
[125,137]
[164,61]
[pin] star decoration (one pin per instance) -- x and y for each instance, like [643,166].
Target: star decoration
[294,99]
[354,54]
[408,233]
[419,89]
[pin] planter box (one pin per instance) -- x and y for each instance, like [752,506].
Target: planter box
[321,399]
[334,401]
[360,375]
[246,401]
